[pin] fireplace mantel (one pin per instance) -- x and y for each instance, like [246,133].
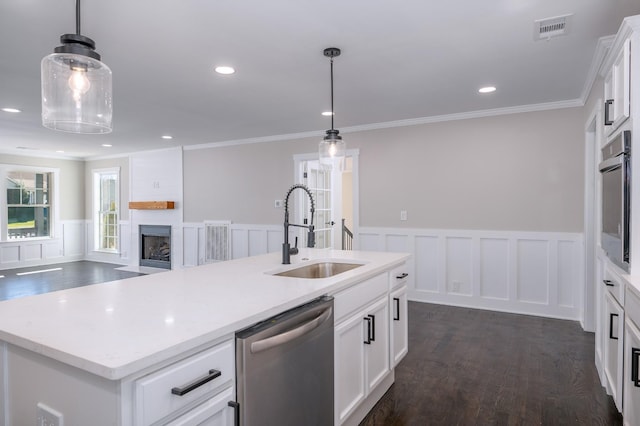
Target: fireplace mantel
[151,205]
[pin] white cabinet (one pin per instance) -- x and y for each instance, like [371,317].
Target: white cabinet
[214,412]
[362,354]
[617,89]
[613,347]
[399,317]
[631,388]
[171,390]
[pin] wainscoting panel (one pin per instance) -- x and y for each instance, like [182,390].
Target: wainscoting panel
[537,273]
[494,268]
[533,271]
[459,267]
[66,246]
[426,269]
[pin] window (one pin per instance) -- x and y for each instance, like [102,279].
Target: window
[106,206]
[28,204]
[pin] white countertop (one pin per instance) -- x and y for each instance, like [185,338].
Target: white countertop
[117,328]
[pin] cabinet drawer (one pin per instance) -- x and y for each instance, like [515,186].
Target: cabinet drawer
[614,285]
[154,394]
[398,276]
[353,298]
[632,307]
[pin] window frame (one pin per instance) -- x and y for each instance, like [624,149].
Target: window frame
[96,211]
[54,183]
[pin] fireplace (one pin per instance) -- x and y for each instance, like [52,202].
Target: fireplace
[155,246]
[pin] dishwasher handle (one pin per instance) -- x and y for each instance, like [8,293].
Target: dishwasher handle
[281,339]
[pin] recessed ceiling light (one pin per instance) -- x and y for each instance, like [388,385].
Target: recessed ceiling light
[11,110]
[328,113]
[60,151]
[225,70]
[167,137]
[107,145]
[487,89]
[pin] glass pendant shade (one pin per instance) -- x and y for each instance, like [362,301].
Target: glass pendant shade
[76,94]
[332,151]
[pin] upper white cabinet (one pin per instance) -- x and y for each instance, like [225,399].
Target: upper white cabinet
[617,92]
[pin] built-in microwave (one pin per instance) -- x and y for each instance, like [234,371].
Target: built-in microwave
[615,169]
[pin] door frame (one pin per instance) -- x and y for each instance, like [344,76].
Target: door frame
[354,155]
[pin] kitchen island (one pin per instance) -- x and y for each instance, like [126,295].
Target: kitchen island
[95,353]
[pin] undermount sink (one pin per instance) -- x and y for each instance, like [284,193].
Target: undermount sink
[319,270]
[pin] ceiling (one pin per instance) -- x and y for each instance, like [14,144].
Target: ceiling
[402,60]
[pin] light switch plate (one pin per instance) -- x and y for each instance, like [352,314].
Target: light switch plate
[403,215]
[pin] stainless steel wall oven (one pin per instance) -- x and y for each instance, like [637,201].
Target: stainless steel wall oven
[616,199]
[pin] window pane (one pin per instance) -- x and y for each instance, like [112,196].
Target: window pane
[28,204]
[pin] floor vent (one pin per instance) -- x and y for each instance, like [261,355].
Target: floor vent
[547,28]
[217,241]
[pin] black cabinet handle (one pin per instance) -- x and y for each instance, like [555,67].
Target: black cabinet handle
[607,117]
[609,283]
[402,275]
[236,412]
[396,316]
[182,390]
[368,341]
[373,327]
[611,326]
[635,357]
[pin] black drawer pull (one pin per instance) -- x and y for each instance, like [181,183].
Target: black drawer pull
[368,341]
[373,327]
[402,275]
[236,412]
[609,283]
[607,116]
[611,326]
[396,316]
[182,390]
[635,356]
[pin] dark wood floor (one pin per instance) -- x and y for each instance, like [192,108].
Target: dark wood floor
[70,274]
[475,367]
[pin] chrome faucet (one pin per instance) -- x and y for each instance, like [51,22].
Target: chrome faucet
[287,251]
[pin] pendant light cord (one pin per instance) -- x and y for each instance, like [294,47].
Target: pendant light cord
[332,111]
[78,17]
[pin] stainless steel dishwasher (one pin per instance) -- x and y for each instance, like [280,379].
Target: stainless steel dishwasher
[284,368]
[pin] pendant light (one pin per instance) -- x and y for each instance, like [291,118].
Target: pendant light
[76,86]
[332,147]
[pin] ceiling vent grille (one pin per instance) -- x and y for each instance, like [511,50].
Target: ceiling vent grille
[544,29]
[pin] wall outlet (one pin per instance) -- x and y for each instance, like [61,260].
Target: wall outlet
[278,204]
[47,416]
[403,215]
[455,286]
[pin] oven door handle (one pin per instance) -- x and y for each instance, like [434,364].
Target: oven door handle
[287,336]
[611,164]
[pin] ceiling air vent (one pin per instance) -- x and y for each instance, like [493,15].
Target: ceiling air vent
[544,29]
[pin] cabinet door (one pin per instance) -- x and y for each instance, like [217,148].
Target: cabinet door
[399,325]
[614,338]
[632,375]
[377,352]
[213,412]
[349,373]
[617,89]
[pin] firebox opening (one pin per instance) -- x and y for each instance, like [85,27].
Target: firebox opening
[155,246]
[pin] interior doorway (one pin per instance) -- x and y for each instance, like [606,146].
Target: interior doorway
[335,195]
